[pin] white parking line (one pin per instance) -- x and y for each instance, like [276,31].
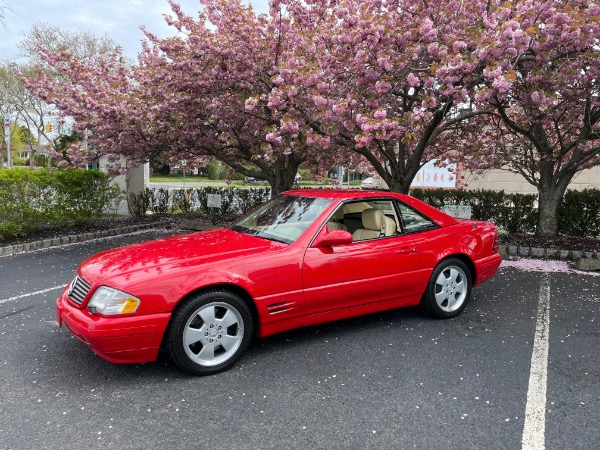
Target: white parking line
[6,300]
[535,411]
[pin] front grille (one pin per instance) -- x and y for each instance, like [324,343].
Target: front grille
[78,290]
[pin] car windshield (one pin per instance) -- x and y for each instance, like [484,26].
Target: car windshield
[283,219]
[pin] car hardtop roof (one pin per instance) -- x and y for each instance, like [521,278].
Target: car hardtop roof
[434,214]
[342,193]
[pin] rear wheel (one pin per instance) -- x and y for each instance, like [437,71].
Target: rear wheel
[448,290]
[210,332]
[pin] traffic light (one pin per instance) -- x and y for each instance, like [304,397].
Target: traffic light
[48,128]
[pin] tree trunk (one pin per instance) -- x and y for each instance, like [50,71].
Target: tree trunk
[551,190]
[400,181]
[402,165]
[283,174]
[398,184]
[547,217]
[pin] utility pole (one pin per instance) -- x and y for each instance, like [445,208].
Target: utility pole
[85,147]
[7,140]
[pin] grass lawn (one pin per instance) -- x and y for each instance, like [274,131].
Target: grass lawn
[178,177]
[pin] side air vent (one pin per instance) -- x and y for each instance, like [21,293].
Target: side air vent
[280,307]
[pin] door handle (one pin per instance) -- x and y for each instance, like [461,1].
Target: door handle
[406,250]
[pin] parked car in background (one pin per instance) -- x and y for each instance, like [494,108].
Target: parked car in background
[303,258]
[252,180]
[367,182]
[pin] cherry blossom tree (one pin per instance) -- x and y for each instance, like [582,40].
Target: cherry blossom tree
[389,80]
[189,96]
[310,81]
[393,82]
[229,59]
[48,86]
[542,79]
[93,95]
[396,81]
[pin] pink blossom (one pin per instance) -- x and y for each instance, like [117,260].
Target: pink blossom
[382,87]
[250,103]
[289,127]
[319,100]
[380,114]
[412,80]
[458,46]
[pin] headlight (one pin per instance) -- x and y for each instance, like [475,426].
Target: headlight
[112,301]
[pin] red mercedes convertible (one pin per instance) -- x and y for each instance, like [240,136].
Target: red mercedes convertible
[303,258]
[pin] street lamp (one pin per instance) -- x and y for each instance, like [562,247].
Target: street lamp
[183,164]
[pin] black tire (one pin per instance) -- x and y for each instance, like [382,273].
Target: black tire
[209,332]
[448,290]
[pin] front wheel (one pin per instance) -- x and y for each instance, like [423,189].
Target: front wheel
[209,332]
[448,290]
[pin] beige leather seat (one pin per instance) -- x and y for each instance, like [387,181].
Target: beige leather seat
[375,224]
[390,226]
[372,222]
[334,222]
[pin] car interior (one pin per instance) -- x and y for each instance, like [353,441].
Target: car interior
[375,219]
[365,219]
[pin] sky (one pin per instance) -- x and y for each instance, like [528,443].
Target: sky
[118,19]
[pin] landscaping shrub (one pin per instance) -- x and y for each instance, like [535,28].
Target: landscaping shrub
[31,199]
[514,213]
[216,171]
[138,203]
[518,213]
[580,213]
[84,194]
[233,200]
[183,200]
[159,200]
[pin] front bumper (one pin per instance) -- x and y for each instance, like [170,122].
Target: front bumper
[132,339]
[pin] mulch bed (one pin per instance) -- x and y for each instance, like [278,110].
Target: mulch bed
[168,220]
[174,220]
[575,243]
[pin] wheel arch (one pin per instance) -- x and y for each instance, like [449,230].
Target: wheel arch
[234,289]
[464,259]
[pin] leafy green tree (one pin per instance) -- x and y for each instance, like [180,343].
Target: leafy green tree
[25,136]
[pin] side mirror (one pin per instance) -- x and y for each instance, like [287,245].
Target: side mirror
[335,237]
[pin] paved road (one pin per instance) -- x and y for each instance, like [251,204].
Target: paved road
[391,380]
[189,183]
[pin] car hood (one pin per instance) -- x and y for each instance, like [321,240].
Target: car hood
[159,257]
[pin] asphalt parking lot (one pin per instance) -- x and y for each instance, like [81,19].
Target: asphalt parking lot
[504,372]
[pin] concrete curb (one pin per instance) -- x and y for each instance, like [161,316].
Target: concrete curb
[75,238]
[513,251]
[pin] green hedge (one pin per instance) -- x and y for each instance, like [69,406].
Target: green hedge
[514,213]
[32,199]
[517,213]
[233,200]
[580,213]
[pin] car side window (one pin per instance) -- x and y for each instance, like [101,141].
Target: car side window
[413,221]
[370,219]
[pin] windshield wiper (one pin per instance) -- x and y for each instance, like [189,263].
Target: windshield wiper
[244,230]
[268,238]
